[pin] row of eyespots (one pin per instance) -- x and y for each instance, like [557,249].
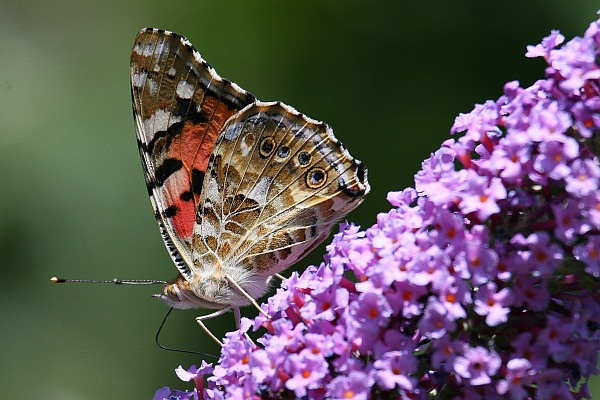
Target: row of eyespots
[315,178]
[267,147]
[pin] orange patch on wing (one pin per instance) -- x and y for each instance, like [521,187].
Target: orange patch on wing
[193,147]
[197,140]
[183,221]
[185,211]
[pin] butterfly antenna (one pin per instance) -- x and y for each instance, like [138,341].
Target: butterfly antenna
[172,349]
[115,281]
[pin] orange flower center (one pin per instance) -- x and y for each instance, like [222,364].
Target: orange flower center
[540,256]
[451,233]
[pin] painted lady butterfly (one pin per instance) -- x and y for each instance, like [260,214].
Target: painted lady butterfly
[241,189]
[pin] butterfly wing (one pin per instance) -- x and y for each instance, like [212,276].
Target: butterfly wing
[276,183]
[180,105]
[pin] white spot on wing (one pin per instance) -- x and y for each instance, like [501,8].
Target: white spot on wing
[148,50]
[162,47]
[161,120]
[245,149]
[138,79]
[260,190]
[152,86]
[185,90]
[232,132]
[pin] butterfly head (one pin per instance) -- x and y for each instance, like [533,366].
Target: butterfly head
[178,294]
[213,292]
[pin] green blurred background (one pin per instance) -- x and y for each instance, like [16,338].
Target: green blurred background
[388,76]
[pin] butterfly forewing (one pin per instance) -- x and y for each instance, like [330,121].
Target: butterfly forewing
[180,106]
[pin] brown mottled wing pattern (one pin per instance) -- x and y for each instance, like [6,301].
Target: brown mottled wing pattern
[180,106]
[276,183]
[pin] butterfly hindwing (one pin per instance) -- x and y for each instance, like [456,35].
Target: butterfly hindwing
[276,183]
[180,106]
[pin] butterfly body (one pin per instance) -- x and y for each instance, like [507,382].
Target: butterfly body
[241,189]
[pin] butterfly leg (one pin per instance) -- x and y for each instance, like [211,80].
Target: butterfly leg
[280,277]
[238,316]
[200,320]
[241,291]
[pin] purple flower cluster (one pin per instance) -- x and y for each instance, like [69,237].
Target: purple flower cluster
[480,283]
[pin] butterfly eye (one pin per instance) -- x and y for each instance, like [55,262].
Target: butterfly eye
[316,177]
[267,145]
[303,158]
